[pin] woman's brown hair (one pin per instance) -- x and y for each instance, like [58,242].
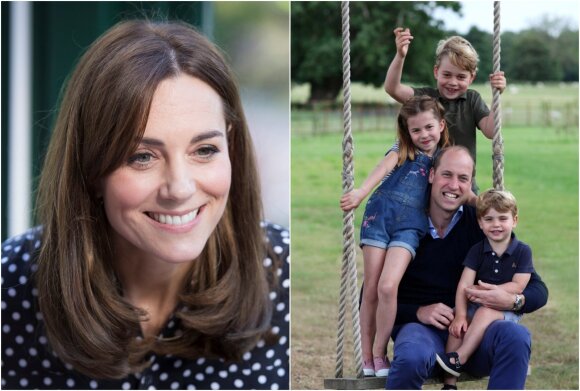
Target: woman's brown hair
[102,117]
[413,106]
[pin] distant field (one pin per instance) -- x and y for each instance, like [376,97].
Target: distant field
[541,169]
[555,92]
[550,105]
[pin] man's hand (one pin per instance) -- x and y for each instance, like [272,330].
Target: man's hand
[491,296]
[403,39]
[438,315]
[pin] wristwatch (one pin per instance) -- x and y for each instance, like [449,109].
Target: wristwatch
[518,303]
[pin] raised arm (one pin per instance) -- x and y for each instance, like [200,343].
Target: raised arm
[353,199]
[400,92]
[486,124]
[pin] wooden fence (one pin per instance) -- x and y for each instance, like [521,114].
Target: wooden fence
[327,118]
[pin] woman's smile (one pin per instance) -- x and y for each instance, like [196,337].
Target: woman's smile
[166,201]
[174,219]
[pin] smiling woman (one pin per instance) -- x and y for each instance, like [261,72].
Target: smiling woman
[140,271]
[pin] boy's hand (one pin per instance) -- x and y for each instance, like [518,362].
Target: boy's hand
[498,80]
[472,198]
[351,199]
[403,39]
[458,327]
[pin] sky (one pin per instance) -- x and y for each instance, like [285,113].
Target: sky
[516,15]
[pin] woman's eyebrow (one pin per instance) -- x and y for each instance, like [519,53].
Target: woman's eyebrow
[207,135]
[197,138]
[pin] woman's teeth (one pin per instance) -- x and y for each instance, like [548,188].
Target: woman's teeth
[174,220]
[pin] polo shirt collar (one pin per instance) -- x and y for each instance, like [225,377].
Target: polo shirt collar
[452,223]
[460,97]
[509,250]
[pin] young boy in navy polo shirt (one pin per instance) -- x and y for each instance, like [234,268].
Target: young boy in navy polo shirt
[499,259]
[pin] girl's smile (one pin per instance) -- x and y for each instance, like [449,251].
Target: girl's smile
[425,131]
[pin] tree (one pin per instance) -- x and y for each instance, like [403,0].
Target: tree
[546,52]
[482,42]
[533,57]
[316,42]
[567,54]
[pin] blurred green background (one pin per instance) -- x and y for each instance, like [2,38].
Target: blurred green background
[253,35]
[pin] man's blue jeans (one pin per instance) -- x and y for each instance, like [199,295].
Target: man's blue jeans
[504,355]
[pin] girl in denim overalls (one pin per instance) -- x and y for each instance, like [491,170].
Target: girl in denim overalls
[394,221]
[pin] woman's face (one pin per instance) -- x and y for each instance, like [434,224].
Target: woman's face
[166,200]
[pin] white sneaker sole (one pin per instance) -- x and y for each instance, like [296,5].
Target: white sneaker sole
[368,372]
[382,372]
[445,367]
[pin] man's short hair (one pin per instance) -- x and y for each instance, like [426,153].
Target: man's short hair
[443,151]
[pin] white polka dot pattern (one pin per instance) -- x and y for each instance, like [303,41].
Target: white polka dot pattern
[27,361]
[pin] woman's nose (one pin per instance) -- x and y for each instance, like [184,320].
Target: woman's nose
[179,182]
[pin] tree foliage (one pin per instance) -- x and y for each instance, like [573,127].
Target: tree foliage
[317,42]
[546,52]
[535,55]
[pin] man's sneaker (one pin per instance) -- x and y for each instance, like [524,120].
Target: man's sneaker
[449,387]
[381,369]
[368,368]
[453,368]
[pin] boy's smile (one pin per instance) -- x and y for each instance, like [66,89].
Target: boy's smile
[498,226]
[452,81]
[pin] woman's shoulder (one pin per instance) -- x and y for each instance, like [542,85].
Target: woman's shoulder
[278,257]
[267,364]
[19,255]
[277,236]
[278,253]
[23,340]
[28,241]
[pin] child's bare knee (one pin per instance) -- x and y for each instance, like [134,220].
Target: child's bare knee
[387,290]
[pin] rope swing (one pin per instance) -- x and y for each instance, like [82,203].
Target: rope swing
[348,281]
[497,143]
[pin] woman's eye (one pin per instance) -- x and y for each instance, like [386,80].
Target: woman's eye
[206,151]
[141,159]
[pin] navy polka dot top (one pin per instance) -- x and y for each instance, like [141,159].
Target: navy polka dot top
[28,362]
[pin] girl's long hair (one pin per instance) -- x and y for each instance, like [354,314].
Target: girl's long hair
[102,117]
[416,105]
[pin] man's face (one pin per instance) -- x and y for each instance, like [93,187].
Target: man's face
[451,181]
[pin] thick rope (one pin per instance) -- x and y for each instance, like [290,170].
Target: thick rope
[497,144]
[348,281]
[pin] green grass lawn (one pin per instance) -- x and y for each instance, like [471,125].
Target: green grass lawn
[541,169]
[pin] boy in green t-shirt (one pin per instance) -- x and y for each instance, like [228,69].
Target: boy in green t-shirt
[455,69]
